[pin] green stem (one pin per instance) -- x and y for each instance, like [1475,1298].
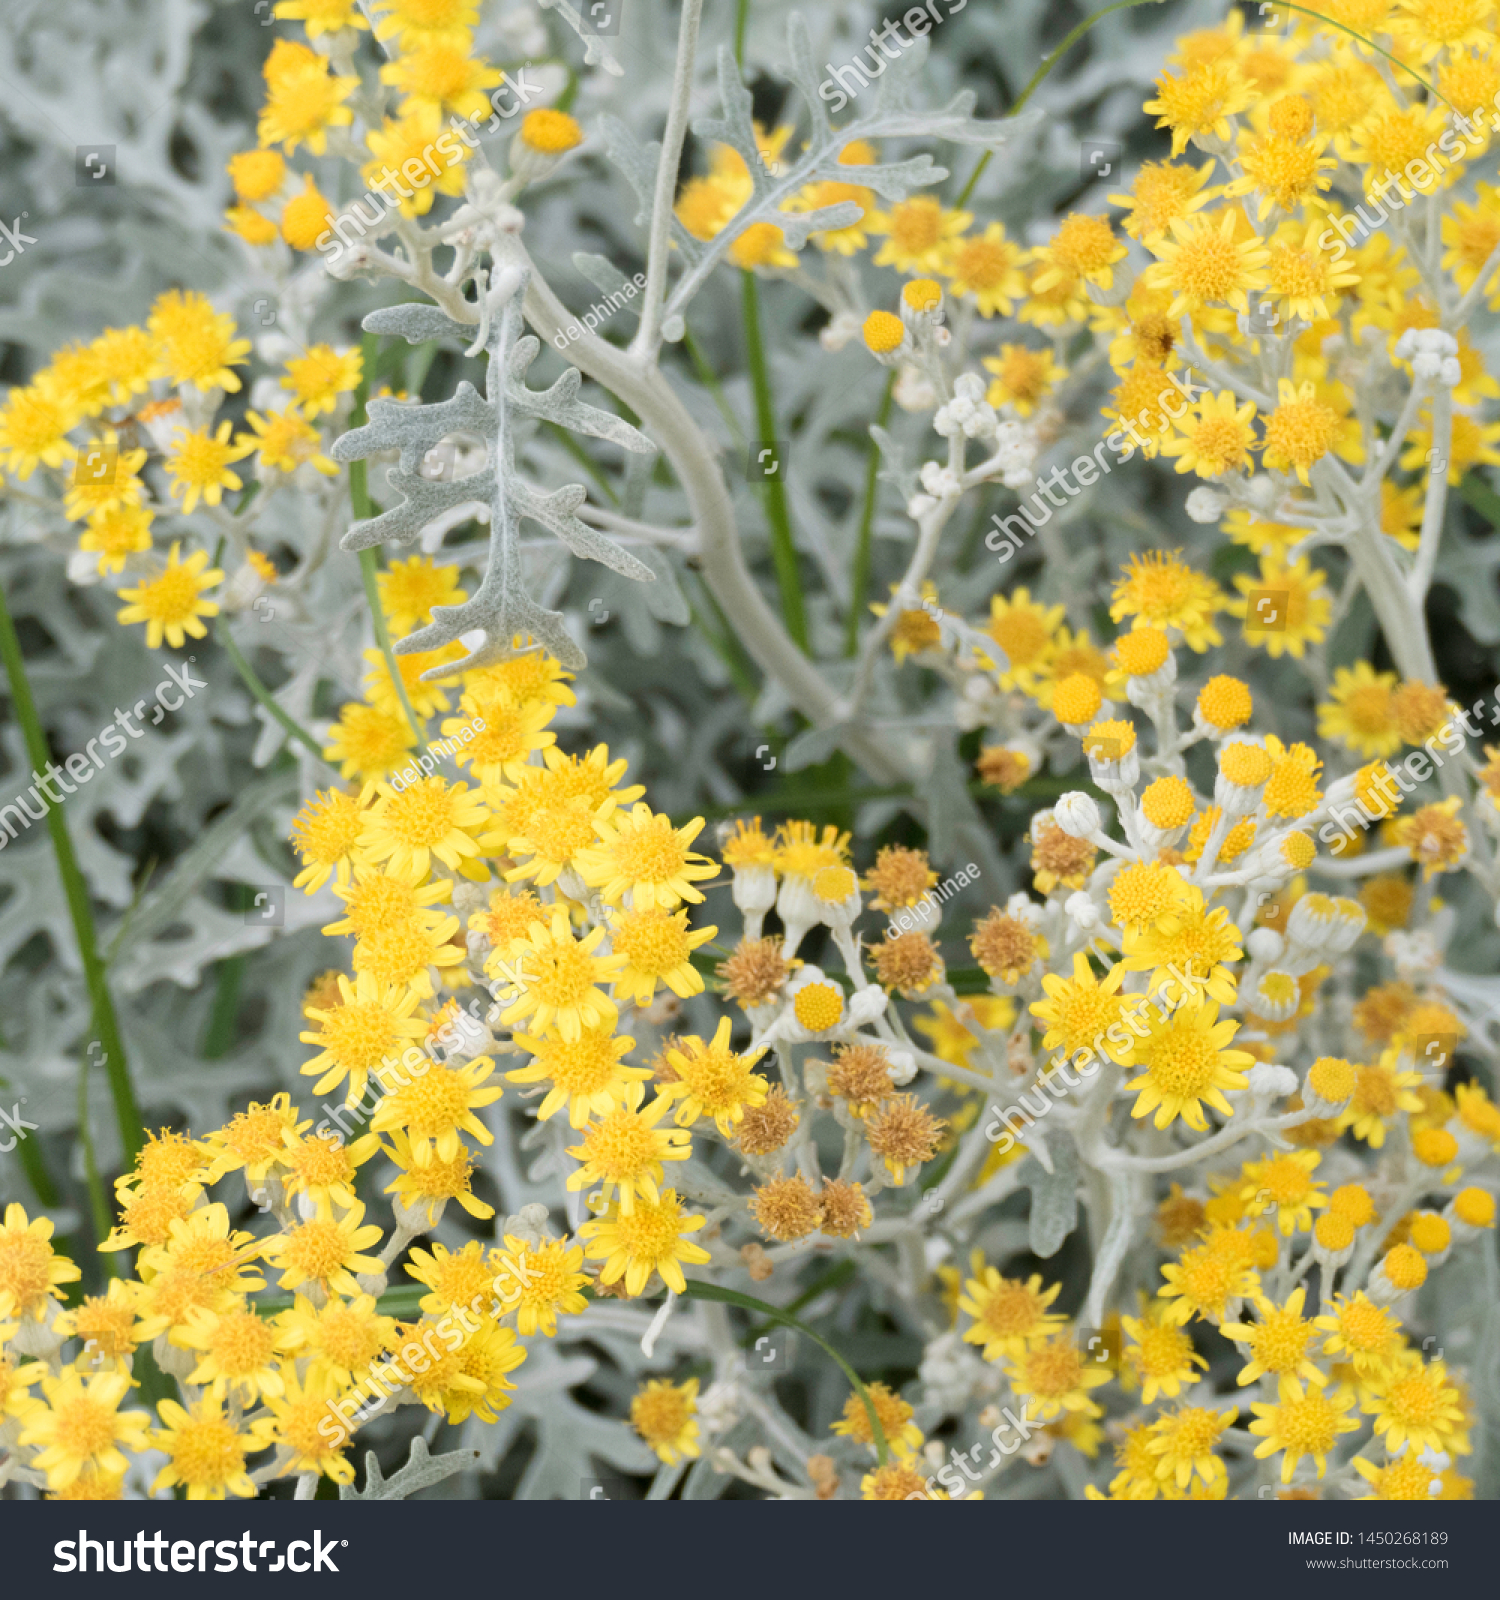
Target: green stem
[741,18]
[98,1205]
[783,548]
[106,1026]
[859,582]
[698,1290]
[1075,34]
[252,682]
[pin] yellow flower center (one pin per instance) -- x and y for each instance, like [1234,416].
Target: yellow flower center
[818,1006]
[85,1427]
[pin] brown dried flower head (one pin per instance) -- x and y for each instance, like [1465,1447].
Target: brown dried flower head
[756,972]
[786,1208]
[765,1128]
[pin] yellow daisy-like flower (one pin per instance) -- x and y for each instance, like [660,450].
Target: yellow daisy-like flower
[34,424]
[424,1190]
[172,604]
[325,834]
[1023,377]
[404,145]
[1308,1424]
[1301,279]
[1284,1183]
[194,343]
[303,98]
[1163,193]
[325,1251]
[1202,261]
[367,742]
[316,380]
[238,1353]
[1413,1404]
[1381,1093]
[339,1340]
[1199,101]
[542,1281]
[624,1149]
[102,477]
[644,857]
[322,16]
[1161,591]
[714,1081]
[118,534]
[434,1107]
[1285,608]
[407,828]
[199,465]
[206,1450]
[1359,710]
[81,1427]
[1159,1353]
[1360,1332]
[1435,836]
[1079,1010]
[1053,1378]
[1010,1317]
[1208,1278]
[1085,247]
[1215,438]
[297,1426]
[408,589]
[1301,430]
[372,1025]
[285,440]
[414,22]
[1188,1063]
[1024,630]
[587,1074]
[439,76]
[665,1416]
[652,1237]
[987,266]
[918,234]
[556,978]
[1285,171]
[1183,1444]
[1279,1341]
[30,1270]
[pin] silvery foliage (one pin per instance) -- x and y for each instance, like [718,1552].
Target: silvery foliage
[171,84]
[500,606]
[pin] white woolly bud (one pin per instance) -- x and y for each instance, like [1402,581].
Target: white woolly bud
[1082,911]
[1264,944]
[969,386]
[1077,815]
[1266,1081]
[902,1065]
[1205,504]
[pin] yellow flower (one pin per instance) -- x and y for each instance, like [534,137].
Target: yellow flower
[1183,1443]
[625,1149]
[285,440]
[1023,376]
[172,604]
[918,234]
[303,99]
[199,464]
[587,1073]
[1414,1404]
[307,217]
[652,1237]
[644,857]
[297,1426]
[1214,438]
[1380,1093]
[1187,1063]
[1286,608]
[1435,836]
[102,477]
[239,1353]
[405,145]
[432,1108]
[1010,1317]
[1204,263]
[425,1189]
[1024,630]
[1358,710]
[556,977]
[1284,1183]
[1080,1010]
[325,1251]
[30,1270]
[367,742]
[541,1281]
[1083,246]
[1160,590]
[196,344]
[987,266]
[550,132]
[409,827]
[1279,1342]
[1159,1353]
[117,534]
[1163,193]
[1199,101]
[1307,1424]
[370,1027]
[415,22]
[81,1426]
[1285,171]
[435,76]
[316,380]
[206,1450]
[256,174]
[1301,430]
[665,1416]
[1053,1378]
[340,1339]
[714,1081]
